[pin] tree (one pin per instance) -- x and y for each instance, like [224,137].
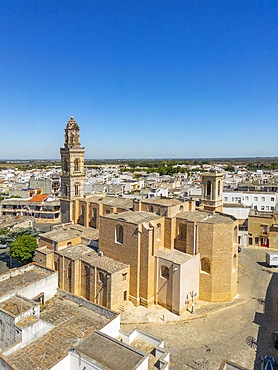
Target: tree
[4,231]
[230,168]
[23,248]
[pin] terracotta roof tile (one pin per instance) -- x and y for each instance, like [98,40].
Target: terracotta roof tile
[39,198]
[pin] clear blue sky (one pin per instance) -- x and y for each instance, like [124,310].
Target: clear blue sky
[143,78]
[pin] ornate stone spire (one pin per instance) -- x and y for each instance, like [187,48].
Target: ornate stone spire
[72,136]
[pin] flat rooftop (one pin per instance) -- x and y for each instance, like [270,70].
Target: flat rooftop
[112,201]
[262,214]
[90,256]
[110,353]
[108,264]
[234,205]
[60,234]
[174,256]
[75,252]
[206,217]
[167,202]
[72,323]
[65,232]
[15,279]
[16,305]
[137,217]
[86,232]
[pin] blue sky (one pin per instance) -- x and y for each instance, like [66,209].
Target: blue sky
[144,79]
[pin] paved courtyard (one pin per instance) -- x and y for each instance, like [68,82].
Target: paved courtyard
[240,331]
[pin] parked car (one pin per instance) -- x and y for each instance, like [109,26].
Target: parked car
[268,363]
[4,246]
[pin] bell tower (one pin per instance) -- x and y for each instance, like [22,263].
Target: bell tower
[212,189]
[73,173]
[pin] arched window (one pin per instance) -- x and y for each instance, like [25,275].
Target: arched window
[71,139]
[181,208]
[66,165]
[219,188]
[208,188]
[76,189]
[82,211]
[101,277]
[164,272]
[182,231]
[119,234]
[234,262]
[150,208]
[205,265]
[94,213]
[76,165]
[235,234]
[158,231]
[66,190]
[69,271]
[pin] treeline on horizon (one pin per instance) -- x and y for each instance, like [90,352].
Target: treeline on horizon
[163,166]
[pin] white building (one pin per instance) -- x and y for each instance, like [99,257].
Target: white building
[262,201]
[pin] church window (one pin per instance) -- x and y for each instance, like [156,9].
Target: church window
[205,265]
[94,213]
[219,188]
[69,272]
[158,231]
[66,190]
[119,234]
[182,231]
[208,188]
[76,189]
[150,208]
[101,277]
[234,262]
[76,165]
[235,234]
[66,166]
[181,208]
[164,272]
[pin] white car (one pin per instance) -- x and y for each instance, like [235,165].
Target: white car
[4,246]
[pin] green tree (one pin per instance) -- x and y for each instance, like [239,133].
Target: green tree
[4,231]
[23,248]
[230,168]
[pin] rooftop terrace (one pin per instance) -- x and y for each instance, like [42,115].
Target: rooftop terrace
[72,322]
[15,279]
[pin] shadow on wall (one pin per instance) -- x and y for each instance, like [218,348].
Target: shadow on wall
[6,262]
[268,322]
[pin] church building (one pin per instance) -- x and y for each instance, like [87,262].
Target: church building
[171,252]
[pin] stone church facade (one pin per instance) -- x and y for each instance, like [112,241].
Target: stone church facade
[174,253]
